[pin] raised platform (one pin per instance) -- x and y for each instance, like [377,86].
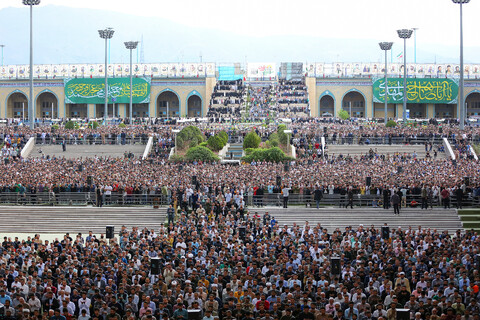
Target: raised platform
[58,220]
[357,149]
[332,218]
[87,151]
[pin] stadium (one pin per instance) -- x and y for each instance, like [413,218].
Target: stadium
[232,191]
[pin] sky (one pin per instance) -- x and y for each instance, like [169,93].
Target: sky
[437,20]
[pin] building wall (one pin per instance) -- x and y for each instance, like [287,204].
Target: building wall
[338,88]
[184,88]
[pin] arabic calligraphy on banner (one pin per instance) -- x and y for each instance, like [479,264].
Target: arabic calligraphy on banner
[93,90]
[418,91]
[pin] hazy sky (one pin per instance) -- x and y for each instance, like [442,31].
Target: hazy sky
[437,20]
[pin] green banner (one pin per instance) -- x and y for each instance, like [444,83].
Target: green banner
[93,90]
[423,90]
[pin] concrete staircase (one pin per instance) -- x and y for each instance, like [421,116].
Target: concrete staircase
[332,218]
[357,150]
[58,220]
[470,219]
[234,152]
[87,151]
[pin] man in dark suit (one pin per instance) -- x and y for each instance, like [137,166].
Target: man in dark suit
[317,196]
[395,199]
[99,282]
[50,302]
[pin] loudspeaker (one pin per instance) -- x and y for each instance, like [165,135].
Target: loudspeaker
[385,233]
[110,232]
[279,181]
[335,265]
[89,180]
[155,266]
[466,180]
[403,314]
[440,130]
[80,167]
[399,169]
[286,167]
[324,129]
[369,181]
[194,180]
[241,232]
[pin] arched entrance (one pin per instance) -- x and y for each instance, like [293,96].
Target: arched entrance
[473,104]
[76,110]
[327,106]
[47,106]
[168,105]
[354,103]
[194,106]
[17,106]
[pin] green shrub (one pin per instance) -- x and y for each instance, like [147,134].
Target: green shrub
[122,125]
[93,124]
[343,114]
[252,140]
[70,125]
[224,136]
[391,124]
[177,158]
[203,144]
[274,154]
[215,143]
[189,136]
[55,127]
[274,140]
[179,142]
[200,154]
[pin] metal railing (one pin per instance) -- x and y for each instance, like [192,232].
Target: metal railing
[91,140]
[269,199]
[382,140]
[82,199]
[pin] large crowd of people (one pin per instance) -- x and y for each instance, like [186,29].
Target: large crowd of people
[227,99]
[236,264]
[292,99]
[219,259]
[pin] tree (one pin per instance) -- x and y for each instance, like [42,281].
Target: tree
[343,114]
[215,143]
[222,134]
[252,140]
[200,154]
[93,124]
[274,154]
[122,125]
[391,124]
[70,125]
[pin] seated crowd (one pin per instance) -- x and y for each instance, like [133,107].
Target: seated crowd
[227,99]
[292,99]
